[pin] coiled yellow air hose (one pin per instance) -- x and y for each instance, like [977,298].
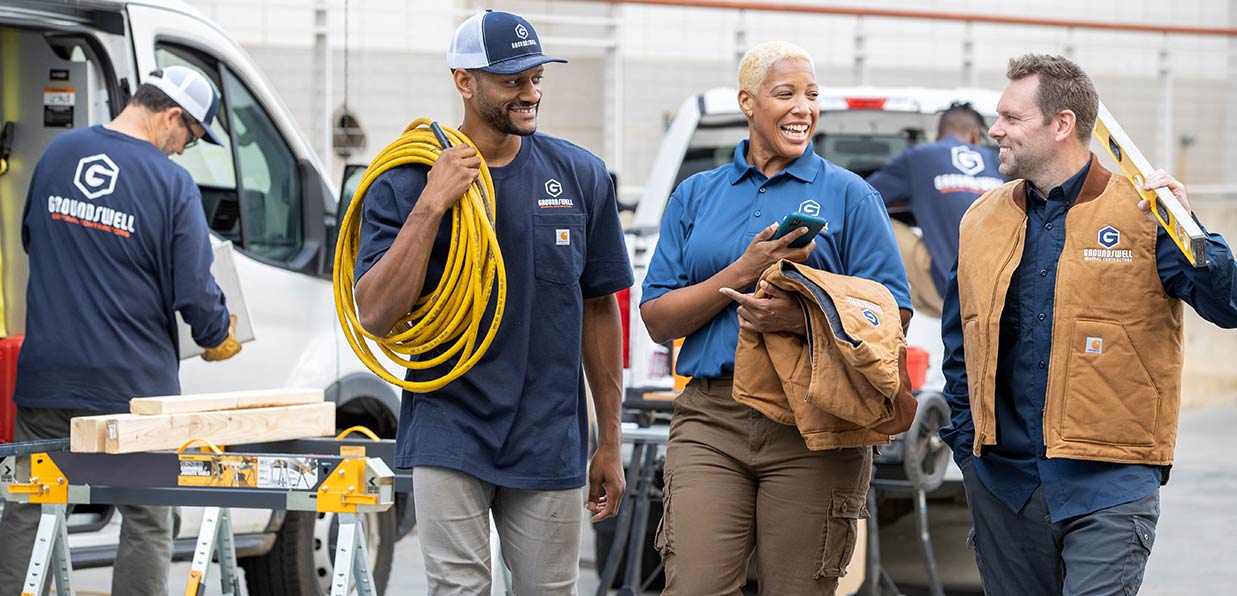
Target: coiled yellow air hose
[452,314]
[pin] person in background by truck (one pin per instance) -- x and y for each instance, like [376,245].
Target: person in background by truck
[938,181]
[510,436]
[735,479]
[118,244]
[1063,348]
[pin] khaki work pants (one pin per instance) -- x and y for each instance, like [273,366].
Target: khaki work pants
[737,482]
[924,297]
[539,531]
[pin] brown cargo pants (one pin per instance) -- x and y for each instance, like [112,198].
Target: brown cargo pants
[737,482]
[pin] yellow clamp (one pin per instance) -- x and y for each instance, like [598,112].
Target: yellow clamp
[47,483]
[207,446]
[355,450]
[344,488]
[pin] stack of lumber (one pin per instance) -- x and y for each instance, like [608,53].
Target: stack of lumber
[156,423]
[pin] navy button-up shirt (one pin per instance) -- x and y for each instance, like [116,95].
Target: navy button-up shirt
[712,217]
[1014,467]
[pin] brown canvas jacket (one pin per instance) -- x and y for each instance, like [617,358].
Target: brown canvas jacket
[1114,374]
[842,377]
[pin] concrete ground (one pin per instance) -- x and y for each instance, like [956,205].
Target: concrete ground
[1194,549]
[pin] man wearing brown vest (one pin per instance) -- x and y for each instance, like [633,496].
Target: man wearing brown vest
[1062,328]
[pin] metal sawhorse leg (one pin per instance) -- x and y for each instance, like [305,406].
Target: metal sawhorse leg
[352,558]
[50,554]
[214,537]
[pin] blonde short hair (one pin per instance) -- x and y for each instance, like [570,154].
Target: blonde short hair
[758,60]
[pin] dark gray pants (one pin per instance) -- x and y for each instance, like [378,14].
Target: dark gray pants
[145,551]
[1099,554]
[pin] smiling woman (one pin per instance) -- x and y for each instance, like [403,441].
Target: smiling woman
[735,479]
[778,94]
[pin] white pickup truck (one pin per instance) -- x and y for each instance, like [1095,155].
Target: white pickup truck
[264,190]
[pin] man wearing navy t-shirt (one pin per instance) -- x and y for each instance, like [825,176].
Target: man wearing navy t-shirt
[118,244]
[510,437]
[938,181]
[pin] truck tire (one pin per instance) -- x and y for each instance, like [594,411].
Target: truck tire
[299,564]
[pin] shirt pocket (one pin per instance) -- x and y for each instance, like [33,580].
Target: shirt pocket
[558,247]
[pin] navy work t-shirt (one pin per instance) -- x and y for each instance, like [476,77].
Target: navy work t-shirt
[118,243]
[940,181]
[518,419]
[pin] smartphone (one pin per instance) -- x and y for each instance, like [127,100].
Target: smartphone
[800,220]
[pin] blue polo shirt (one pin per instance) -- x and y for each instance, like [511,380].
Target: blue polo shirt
[939,181]
[118,245]
[518,419]
[1014,467]
[712,217]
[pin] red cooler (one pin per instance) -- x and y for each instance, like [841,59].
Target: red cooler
[9,346]
[916,367]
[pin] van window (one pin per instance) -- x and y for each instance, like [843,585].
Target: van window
[250,185]
[271,199]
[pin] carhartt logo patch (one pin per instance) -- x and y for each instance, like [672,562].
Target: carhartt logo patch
[562,237]
[1095,345]
[871,317]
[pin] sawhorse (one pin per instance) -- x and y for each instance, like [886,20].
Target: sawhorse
[349,485]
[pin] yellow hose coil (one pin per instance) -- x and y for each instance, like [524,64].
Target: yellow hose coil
[451,314]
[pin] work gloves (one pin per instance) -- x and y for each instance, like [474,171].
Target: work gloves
[229,348]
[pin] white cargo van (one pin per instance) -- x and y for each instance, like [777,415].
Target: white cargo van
[73,64]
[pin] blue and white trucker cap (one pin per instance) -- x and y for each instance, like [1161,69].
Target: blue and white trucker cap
[497,42]
[192,92]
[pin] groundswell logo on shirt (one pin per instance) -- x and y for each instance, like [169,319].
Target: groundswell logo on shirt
[969,162]
[96,176]
[554,188]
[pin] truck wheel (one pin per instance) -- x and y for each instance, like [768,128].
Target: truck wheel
[300,562]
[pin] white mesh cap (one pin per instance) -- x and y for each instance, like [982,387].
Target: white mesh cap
[498,42]
[192,92]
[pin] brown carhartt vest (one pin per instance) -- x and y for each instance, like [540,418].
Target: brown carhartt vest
[1114,375]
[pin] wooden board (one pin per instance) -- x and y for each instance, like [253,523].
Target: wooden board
[234,400]
[87,434]
[129,433]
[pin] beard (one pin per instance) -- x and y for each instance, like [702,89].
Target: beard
[499,116]
[1027,164]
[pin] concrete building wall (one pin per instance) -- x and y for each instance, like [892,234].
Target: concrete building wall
[396,61]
